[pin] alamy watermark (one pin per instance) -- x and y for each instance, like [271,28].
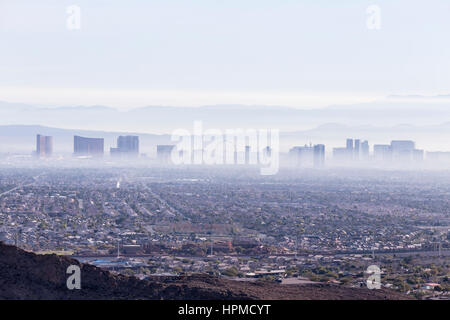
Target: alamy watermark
[374,279]
[74,280]
[73,21]
[373,21]
[219,147]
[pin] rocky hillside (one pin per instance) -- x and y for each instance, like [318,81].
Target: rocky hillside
[25,275]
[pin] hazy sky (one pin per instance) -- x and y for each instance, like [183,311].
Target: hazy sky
[195,52]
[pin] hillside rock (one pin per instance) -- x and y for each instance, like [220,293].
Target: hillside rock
[25,275]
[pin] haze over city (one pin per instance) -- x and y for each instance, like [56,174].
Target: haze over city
[224,150]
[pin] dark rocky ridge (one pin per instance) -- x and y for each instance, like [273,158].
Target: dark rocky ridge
[25,275]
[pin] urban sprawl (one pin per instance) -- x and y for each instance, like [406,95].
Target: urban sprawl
[308,223]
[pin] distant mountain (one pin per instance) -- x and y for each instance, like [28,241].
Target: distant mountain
[428,123]
[25,275]
[441,96]
[161,119]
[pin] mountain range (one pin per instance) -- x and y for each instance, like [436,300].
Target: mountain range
[427,123]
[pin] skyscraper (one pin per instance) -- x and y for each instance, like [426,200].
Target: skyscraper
[265,154]
[44,146]
[345,154]
[164,153]
[438,156]
[418,155]
[247,154]
[308,156]
[319,155]
[302,156]
[354,150]
[357,149]
[88,146]
[129,144]
[382,152]
[126,146]
[349,144]
[365,150]
[402,150]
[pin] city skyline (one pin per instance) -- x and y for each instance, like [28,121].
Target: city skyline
[355,151]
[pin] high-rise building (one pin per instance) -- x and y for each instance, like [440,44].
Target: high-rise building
[382,152]
[247,154]
[302,156]
[354,150]
[357,149]
[164,153]
[438,156]
[345,154]
[129,144]
[126,146]
[402,150]
[319,155]
[44,146]
[418,155]
[349,144]
[88,146]
[402,145]
[365,150]
[308,156]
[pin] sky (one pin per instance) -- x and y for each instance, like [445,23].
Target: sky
[305,53]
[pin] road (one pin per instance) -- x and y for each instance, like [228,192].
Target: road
[20,186]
